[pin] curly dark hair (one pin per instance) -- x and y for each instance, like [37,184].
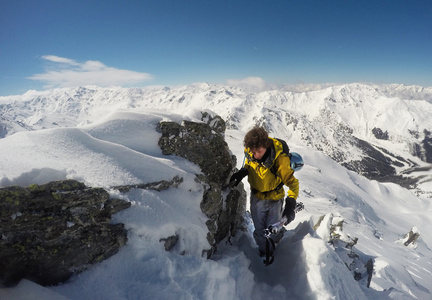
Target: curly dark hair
[256,137]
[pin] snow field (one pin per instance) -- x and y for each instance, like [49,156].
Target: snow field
[122,149]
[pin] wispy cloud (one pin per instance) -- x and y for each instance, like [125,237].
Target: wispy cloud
[250,84]
[65,72]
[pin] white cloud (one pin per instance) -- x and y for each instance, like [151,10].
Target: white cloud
[249,84]
[69,73]
[62,60]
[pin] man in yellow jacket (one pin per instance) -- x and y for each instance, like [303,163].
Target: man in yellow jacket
[268,169]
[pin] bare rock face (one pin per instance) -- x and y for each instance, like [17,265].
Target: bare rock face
[204,145]
[50,231]
[201,144]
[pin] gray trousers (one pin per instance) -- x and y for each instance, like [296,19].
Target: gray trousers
[265,213]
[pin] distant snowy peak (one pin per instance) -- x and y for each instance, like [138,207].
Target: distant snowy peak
[407,92]
[362,107]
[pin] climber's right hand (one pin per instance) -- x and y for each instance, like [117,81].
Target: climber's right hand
[238,176]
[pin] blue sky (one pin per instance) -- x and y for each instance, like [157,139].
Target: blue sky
[56,43]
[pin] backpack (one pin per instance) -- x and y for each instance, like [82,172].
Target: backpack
[295,158]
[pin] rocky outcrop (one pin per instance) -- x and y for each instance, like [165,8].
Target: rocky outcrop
[200,143]
[379,134]
[156,186]
[410,239]
[330,228]
[204,144]
[3,130]
[50,231]
[427,146]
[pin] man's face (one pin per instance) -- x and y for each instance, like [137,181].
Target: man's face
[259,152]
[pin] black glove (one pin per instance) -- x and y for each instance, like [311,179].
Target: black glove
[238,176]
[289,213]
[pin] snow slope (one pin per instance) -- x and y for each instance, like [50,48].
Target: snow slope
[106,145]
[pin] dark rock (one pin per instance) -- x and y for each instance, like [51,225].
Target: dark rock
[170,242]
[427,146]
[204,145]
[201,144]
[3,130]
[411,237]
[157,186]
[52,230]
[369,268]
[379,134]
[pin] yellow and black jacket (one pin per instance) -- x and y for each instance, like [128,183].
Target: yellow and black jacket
[267,177]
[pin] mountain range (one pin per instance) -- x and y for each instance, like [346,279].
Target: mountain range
[383,132]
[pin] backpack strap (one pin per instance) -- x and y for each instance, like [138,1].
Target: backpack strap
[286,150]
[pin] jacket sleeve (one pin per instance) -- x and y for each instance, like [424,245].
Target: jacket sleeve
[285,172]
